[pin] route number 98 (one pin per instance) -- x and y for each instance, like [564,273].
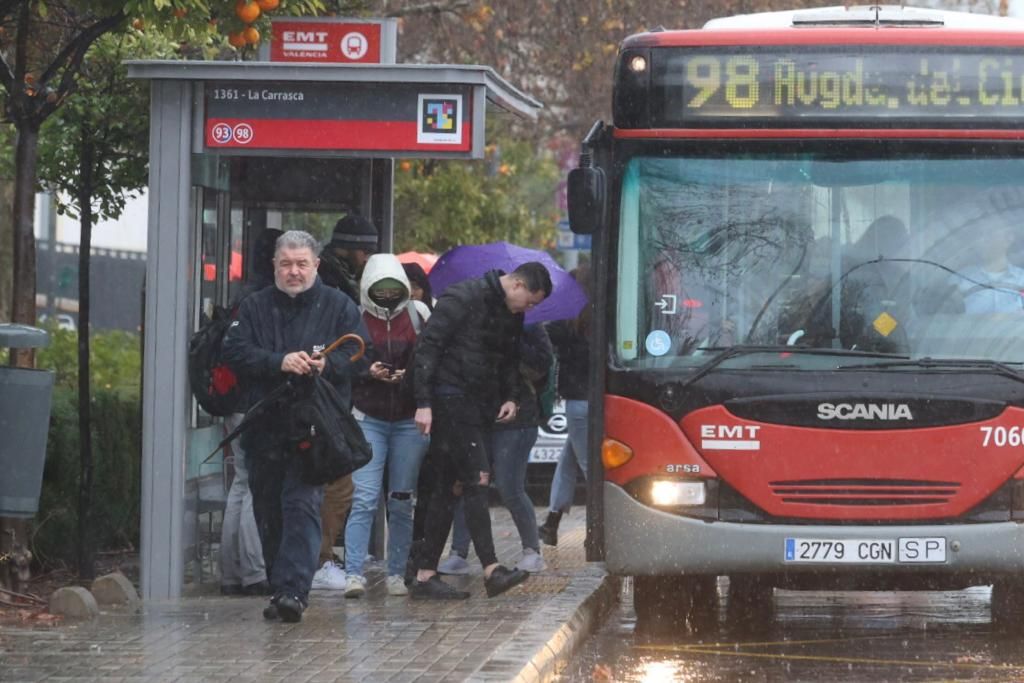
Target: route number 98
[740,78]
[1002,436]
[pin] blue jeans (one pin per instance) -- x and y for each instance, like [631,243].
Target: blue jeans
[399,447]
[510,451]
[288,513]
[573,458]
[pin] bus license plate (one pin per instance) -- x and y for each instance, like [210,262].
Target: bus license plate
[866,551]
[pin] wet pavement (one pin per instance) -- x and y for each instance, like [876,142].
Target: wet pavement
[377,638]
[815,636]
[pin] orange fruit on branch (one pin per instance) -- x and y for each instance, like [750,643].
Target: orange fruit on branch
[236,39]
[247,11]
[251,35]
[268,5]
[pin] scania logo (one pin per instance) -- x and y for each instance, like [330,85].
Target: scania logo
[864,411]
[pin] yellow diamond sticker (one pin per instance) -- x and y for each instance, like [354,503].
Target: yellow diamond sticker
[884,324]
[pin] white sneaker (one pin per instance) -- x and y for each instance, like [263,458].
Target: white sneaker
[396,585]
[355,586]
[329,577]
[531,561]
[453,564]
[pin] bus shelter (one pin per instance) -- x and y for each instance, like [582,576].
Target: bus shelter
[238,147]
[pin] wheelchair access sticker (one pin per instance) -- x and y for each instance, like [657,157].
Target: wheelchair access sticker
[658,343]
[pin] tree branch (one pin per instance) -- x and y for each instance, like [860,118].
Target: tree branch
[20,47]
[74,53]
[431,8]
[6,74]
[7,7]
[75,50]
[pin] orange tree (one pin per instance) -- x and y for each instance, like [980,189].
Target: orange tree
[43,44]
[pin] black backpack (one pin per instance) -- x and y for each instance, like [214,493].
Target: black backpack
[213,383]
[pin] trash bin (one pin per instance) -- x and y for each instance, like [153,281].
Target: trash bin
[24,423]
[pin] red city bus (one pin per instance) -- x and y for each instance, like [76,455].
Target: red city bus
[812,226]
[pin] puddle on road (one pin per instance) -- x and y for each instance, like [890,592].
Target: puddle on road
[814,636]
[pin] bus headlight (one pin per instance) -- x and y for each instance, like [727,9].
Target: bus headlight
[676,493]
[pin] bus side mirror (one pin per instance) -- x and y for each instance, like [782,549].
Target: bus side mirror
[586,200]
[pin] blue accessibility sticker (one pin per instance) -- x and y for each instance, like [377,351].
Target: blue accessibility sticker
[658,343]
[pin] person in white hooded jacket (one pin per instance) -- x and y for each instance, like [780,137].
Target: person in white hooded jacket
[383,404]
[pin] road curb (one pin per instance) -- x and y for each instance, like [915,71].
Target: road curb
[550,638]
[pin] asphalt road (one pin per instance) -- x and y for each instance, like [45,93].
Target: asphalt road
[814,636]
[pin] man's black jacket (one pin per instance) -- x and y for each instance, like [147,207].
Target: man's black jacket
[272,324]
[470,345]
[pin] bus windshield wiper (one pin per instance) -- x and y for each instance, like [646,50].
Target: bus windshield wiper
[725,353]
[977,363]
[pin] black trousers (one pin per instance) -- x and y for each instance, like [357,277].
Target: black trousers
[459,454]
[266,481]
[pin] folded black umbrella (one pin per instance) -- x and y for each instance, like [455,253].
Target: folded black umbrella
[316,424]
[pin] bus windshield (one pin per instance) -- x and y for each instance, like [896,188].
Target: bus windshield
[913,254]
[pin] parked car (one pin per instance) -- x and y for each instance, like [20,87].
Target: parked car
[544,456]
[65,321]
[551,437]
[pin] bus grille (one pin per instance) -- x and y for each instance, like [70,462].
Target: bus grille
[864,492]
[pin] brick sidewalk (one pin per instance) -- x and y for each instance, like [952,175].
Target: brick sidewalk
[377,638]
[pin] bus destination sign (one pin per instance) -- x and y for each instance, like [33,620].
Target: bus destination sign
[712,87]
[339,116]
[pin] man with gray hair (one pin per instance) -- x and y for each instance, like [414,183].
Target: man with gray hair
[279,332]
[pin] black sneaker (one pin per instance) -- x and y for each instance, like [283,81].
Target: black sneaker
[270,611]
[503,578]
[435,589]
[290,608]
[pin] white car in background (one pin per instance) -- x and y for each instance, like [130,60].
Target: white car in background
[551,437]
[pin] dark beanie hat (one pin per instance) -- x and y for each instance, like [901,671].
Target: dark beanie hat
[354,232]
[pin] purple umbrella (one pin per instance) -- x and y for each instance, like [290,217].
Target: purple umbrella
[462,263]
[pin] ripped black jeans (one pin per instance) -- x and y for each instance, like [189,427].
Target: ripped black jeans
[459,435]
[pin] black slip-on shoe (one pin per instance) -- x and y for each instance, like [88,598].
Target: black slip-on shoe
[503,578]
[270,611]
[435,589]
[231,589]
[290,608]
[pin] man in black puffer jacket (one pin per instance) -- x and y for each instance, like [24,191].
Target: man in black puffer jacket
[279,332]
[466,380]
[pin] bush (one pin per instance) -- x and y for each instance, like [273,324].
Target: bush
[117,447]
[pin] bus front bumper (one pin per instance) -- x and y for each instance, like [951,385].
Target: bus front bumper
[641,540]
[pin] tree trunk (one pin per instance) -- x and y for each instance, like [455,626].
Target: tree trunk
[86,568]
[23,309]
[6,247]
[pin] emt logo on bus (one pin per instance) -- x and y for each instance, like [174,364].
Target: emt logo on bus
[730,437]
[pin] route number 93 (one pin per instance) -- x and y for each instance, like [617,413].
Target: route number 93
[1002,436]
